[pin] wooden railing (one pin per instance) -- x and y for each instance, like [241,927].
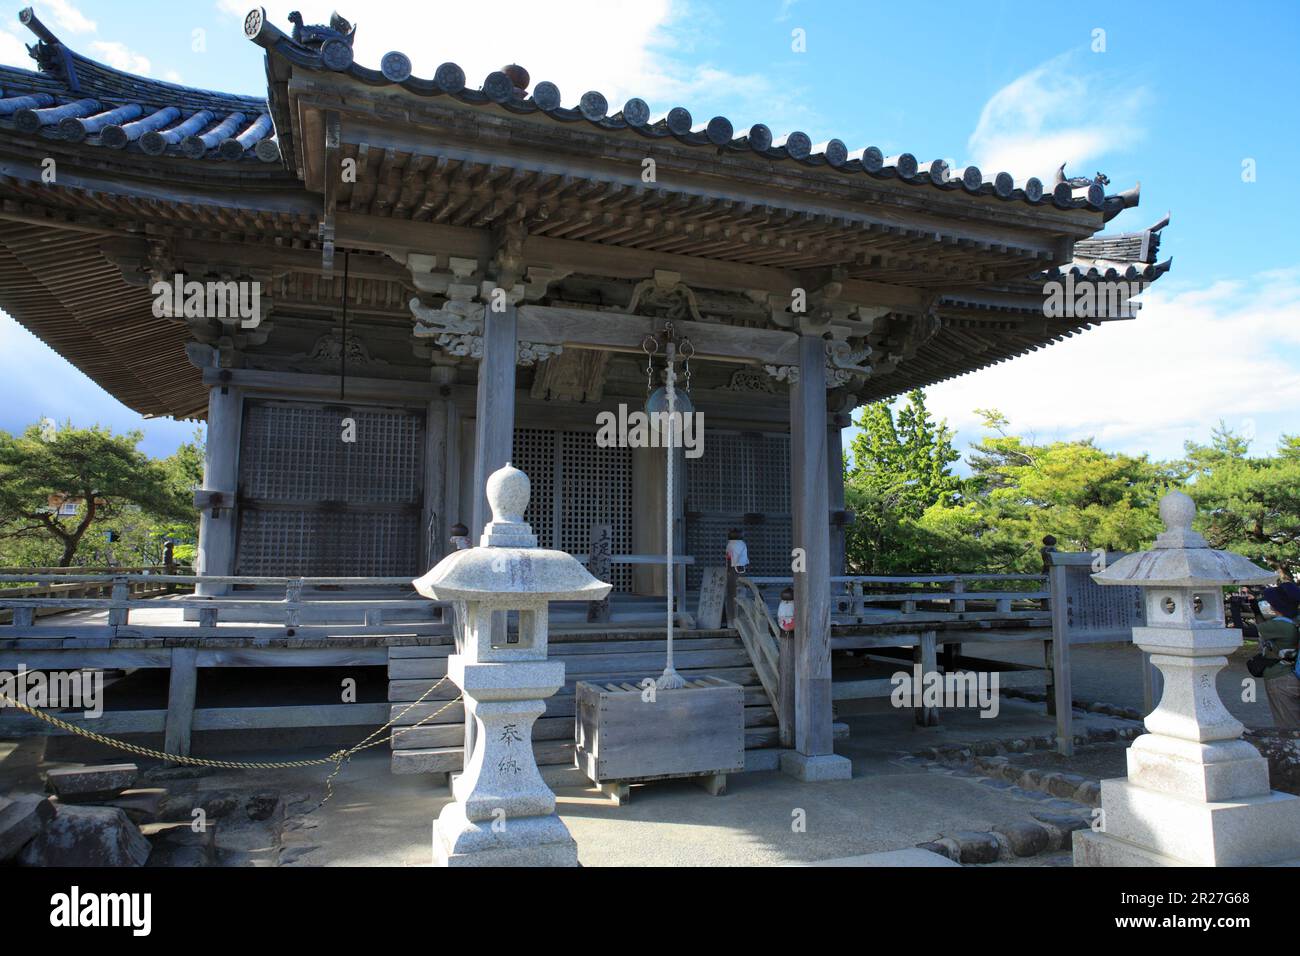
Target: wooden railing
[927,598]
[71,583]
[761,636]
[294,612]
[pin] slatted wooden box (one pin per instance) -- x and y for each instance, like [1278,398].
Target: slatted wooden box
[699,729]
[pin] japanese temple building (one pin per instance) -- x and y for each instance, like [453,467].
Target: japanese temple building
[468,269]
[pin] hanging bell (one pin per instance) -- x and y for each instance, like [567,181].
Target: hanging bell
[785,610]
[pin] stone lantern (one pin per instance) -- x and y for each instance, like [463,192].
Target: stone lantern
[1196,793]
[504,813]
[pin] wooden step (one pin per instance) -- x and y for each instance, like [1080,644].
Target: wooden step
[555,707]
[452,733]
[577,666]
[546,752]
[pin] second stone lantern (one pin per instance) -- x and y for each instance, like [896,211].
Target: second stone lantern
[504,813]
[1196,793]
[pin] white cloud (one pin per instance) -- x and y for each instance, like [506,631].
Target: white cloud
[1059,112]
[1229,350]
[623,48]
[13,52]
[66,16]
[120,56]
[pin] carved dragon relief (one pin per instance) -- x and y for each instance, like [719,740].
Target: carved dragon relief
[457,327]
[845,362]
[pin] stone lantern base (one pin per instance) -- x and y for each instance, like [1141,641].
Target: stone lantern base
[529,841]
[1185,822]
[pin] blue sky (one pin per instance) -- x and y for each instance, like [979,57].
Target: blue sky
[1182,94]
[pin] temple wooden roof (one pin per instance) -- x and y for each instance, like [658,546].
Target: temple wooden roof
[952,263]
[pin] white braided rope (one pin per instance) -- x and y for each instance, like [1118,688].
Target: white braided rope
[670,679]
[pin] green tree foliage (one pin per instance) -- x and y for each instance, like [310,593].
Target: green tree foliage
[1248,504]
[114,486]
[900,467]
[912,513]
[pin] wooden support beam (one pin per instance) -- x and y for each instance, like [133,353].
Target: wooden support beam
[358,231]
[925,655]
[808,506]
[1056,580]
[216,549]
[618,331]
[182,688]
[494,421]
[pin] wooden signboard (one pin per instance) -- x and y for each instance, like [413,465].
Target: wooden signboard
[713,593]
[600,564]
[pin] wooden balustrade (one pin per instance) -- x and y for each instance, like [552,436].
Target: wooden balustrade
[918,598]
[46,594]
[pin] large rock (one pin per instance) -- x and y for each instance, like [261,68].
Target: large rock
[88,836]
[21,817]
[1025,838]
[975,847]
[89,784]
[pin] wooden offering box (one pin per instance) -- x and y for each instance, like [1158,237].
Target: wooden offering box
[624,737]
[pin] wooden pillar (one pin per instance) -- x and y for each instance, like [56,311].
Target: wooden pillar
[785,688]
[649,493]
[433,516]
[217,527]
[1061,661]
[924,654]
[814,756]
[494,424]
[182,687]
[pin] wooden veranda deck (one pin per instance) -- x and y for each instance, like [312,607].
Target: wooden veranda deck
[878,623]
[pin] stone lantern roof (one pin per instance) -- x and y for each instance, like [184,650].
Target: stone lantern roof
[1181,557]
[507,570]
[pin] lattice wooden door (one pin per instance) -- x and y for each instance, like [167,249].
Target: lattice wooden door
[739,474]
[314,505]
[577,484]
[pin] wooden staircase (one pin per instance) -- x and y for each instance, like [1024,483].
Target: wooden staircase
[438,746]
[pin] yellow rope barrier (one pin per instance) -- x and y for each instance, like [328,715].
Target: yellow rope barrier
[338,758]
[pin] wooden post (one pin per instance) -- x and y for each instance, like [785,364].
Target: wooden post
[785,683]
[958,605]
[118,611]
[1061,661]
[217,526]
[494,424]
[182,686]
[599,553]
[648,521]
[729,601]
[813,735]
[434,522]
[925,655]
